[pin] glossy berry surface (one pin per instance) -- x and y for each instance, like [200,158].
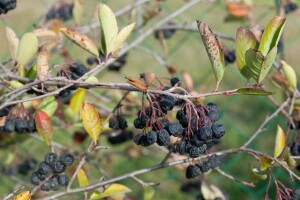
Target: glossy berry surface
[59,167]
[78,69]
[20,126]
[34,179]
[45,169]
[51,158]
[218,130]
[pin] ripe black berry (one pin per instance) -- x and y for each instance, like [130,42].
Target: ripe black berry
[137,139]
[212,106]
[63,180]
[295,149]
[59,167]
[180,147]
[192,171]
[144,141]
[113,123]
[41,176]
[20,126]
[230,57]
[213,116]
[167,104]
[67,159]
[44,169]
[163,138]
[78,68]
[204,133]
[120,137]
[34,179]
[139,123]
[9,126]
[31,125]
[51,158]
[203,148]
[46,186]
[214,161]
[184,121]
[196,142]
[6,5]
[174,81]
[175,129]
[122,122]
[152,137]
[179,114]
[218,130]
[194,152]
[54,183]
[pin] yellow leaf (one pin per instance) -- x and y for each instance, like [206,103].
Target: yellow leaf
[82,178]
[81,40]
[91,120]
[279,142]
[23,196]
[77,11]
[290,75]
[264,163]
[110,191]
[77,100]
[13,42]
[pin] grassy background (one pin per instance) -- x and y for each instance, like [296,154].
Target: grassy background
[241,115]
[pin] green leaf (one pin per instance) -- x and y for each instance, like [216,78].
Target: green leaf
[214,51]
[109,28]
[113,189]
[91,79]
[254,174]
[244,40]
[44,126]
[288,159]
[123,35]
[290,75]
[48,105]
[271,35]
[279,142]
[258,64]
[31,73]
[91,120]
[253,91]
[77,100]
[27,48]
[14,84]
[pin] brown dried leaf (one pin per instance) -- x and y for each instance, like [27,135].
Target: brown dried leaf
[188,81]
[42,63]
[137,83]
[148,77]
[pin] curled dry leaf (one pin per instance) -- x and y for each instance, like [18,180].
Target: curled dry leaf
[44,126]
[188,81]
[148,77]
[13,42]
[81,40]
[238,9]
[214,51]
[42,63]
[137,83]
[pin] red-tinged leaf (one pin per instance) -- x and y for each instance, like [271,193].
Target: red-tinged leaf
[91,120]
[26,195]
[279,142]
[44,126]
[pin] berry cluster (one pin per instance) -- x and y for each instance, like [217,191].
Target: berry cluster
[229,56]
[64,12]
[74,72]
[290,7]
[51,168]
[166,33]
[6,5]
[193,171]
[19,125]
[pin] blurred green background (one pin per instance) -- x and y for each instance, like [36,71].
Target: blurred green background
[241,115]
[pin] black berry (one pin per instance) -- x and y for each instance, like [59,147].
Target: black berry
[180,147]
[152,137]
[192,171]
[174,81]
[9,126]
[59,167]
[163,138]
[204,133]
[31,125]
[218,130]
[67,159]
[213,115]
[194,152]
[45,169]
[34,179]
[20,126]
[78,68]
[54,183]
[51,158]
[63,180]
[46,186]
